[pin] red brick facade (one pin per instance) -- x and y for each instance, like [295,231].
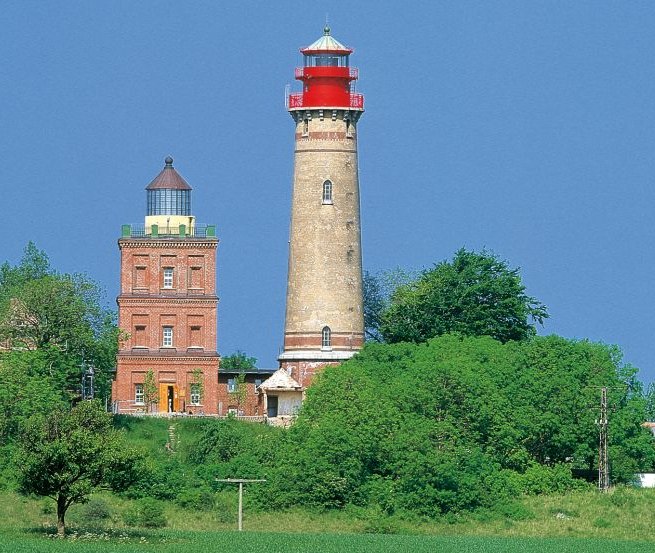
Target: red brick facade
[167,308]
[229,401]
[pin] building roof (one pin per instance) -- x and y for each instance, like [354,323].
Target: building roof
[280,380]
[168,178]
[326,44]
[256,371]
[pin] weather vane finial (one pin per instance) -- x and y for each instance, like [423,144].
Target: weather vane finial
[326,29]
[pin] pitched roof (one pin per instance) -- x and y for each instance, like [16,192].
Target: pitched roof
[168,178]
[280,380]
[326,44]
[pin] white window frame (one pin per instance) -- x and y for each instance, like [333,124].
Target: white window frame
[139,395]
[194,394]
[326,338]
[232,385]
[328,188]
[167,337]
[168,277]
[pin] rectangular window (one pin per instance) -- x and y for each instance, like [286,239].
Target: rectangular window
[195,394]
[167,337]
[258,382]
[138,394]
[168,277]
[231,384]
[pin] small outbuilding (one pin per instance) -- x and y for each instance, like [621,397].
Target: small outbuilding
[282,398]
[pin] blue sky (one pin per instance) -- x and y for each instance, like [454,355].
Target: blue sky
[527,128]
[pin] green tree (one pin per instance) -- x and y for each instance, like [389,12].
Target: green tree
[150,390]
[238,361]
[198,382]
[377,290]
[457,423]
[475,294]
[240,392]
[65,455]
[28,388]
[61,314]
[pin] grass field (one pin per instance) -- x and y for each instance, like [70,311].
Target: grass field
[584,522]
[257,542]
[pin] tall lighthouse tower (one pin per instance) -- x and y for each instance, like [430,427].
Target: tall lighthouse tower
[324,312]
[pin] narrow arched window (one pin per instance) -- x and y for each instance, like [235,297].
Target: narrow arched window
[326,341]
[327,192]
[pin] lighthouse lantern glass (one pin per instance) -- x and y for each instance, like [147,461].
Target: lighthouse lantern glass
[164,201]
[326,60]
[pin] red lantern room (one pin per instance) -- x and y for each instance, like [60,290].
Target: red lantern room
[328,80]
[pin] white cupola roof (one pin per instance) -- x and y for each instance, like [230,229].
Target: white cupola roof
[326,44]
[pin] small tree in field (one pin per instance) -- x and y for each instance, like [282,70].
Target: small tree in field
[240,392]
[198,383]
[150,391]
[66,455]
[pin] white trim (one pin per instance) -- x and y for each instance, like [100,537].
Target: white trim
[315,354]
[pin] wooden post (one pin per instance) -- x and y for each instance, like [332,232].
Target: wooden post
[241,482]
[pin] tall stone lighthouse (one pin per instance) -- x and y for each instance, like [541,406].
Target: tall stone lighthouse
[324,312]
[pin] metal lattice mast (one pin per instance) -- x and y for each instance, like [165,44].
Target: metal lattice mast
[603,463]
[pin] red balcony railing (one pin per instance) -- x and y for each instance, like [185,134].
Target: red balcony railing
[353,72]
[356,101]
[296,100]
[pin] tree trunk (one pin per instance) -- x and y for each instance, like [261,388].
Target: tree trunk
[61,513]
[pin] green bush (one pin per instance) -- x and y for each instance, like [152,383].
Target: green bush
[48,507]
[601,523]
[621,497]
[541,479]
[96,509]
[146,513]
[226,507]
[196,499]
[514,511]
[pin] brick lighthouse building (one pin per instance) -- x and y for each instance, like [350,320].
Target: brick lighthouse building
[324,321]
[167,306]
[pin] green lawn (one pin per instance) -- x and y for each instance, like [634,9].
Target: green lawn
[256,542]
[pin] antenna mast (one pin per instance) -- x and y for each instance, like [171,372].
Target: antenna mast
[603,463]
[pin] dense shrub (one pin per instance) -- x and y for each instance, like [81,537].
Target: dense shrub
[146,513]
[455,424]
[96,509]
[197,499]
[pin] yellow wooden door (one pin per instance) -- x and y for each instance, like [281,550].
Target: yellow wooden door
[163,398]
[165,395]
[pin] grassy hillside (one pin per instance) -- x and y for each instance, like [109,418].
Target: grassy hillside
[584,520]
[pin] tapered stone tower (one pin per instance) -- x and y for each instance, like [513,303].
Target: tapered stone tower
[324,312]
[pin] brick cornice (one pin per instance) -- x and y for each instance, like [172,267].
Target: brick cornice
[167,243]
[152,300]
[182,356]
